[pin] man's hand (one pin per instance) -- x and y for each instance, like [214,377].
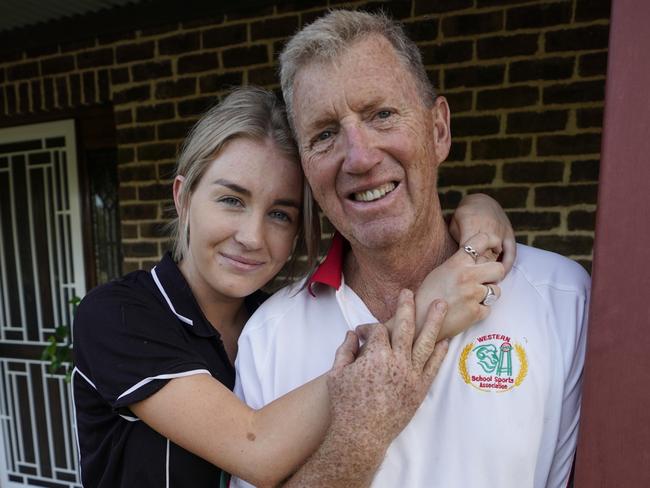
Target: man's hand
[374,391]
[461,282]
[479,213]
[376,396]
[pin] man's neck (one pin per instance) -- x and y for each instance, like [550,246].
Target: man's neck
[378,276]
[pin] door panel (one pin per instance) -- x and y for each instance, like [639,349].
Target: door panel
[41,270]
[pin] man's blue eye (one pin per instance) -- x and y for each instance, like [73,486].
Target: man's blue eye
[326,134]
[384,114]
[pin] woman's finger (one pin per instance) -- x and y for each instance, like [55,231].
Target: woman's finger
[475,246]
[487,272]
[509,252]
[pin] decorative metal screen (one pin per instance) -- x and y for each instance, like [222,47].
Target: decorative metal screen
[41,269]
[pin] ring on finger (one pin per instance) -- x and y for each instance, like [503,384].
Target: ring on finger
[490,297]
[471,251]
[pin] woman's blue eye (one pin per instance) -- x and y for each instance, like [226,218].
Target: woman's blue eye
[276,214]
[231,201]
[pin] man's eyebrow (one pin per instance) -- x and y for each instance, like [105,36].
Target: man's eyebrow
[320,122]
[329,118]
[370,104]
[232,186]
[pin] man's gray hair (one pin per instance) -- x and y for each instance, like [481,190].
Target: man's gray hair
[329,36]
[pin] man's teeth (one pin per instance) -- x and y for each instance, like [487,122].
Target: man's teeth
[374,194]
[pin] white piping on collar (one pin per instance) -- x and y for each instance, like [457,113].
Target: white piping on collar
[169,302]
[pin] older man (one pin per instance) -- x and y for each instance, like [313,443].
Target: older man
[503,410]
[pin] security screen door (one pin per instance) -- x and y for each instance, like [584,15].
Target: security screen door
[41,269]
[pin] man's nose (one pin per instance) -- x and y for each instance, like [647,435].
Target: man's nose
[361,153]
[250,233]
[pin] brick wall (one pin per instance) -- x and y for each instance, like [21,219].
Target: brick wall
[525,81]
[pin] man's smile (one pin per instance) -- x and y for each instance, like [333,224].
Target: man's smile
[373,194]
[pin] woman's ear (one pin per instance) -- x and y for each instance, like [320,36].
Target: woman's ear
[179,181]
[441,128]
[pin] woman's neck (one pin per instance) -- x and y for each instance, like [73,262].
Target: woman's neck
[227,315]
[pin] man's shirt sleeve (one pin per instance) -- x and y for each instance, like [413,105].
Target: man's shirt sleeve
[571,310]
[250,373]
[250,365]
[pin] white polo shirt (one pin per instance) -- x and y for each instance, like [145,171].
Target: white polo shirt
[503,410]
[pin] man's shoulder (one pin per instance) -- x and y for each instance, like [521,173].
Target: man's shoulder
[542,268]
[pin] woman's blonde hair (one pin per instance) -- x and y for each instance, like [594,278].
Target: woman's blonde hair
[249,112]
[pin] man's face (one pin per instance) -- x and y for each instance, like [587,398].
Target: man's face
[370,147]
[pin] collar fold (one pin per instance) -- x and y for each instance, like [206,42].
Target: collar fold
[330,271]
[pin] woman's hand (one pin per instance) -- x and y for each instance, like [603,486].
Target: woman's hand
[461,282]
[481,213]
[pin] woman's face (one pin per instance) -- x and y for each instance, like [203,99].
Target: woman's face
[243,219]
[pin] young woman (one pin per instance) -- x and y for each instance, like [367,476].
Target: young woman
[154,350]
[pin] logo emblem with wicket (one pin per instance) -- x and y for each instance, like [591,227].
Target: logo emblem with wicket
[492,363]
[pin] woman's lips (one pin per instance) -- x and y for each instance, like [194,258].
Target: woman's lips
[242,263]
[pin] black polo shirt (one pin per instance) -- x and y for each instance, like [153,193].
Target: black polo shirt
[131,336]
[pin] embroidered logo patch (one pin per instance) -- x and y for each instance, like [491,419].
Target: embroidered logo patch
[493,363]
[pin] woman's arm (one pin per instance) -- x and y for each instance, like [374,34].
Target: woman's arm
[265,446]
[481,213]
[460,281]
[479,221]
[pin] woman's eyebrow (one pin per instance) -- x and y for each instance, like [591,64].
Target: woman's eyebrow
[286,203]
[232,186]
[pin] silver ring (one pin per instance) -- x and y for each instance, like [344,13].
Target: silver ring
[471,251]
[490,297]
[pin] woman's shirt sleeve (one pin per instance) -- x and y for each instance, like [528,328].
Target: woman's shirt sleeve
[127,346]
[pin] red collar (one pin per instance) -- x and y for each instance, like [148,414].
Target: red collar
[330,271]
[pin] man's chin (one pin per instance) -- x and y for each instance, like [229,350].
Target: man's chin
[378,236]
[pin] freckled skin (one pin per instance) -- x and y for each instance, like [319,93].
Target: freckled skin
[374,398]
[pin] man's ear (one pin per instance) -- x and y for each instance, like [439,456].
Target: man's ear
[179,181]
[441,128]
